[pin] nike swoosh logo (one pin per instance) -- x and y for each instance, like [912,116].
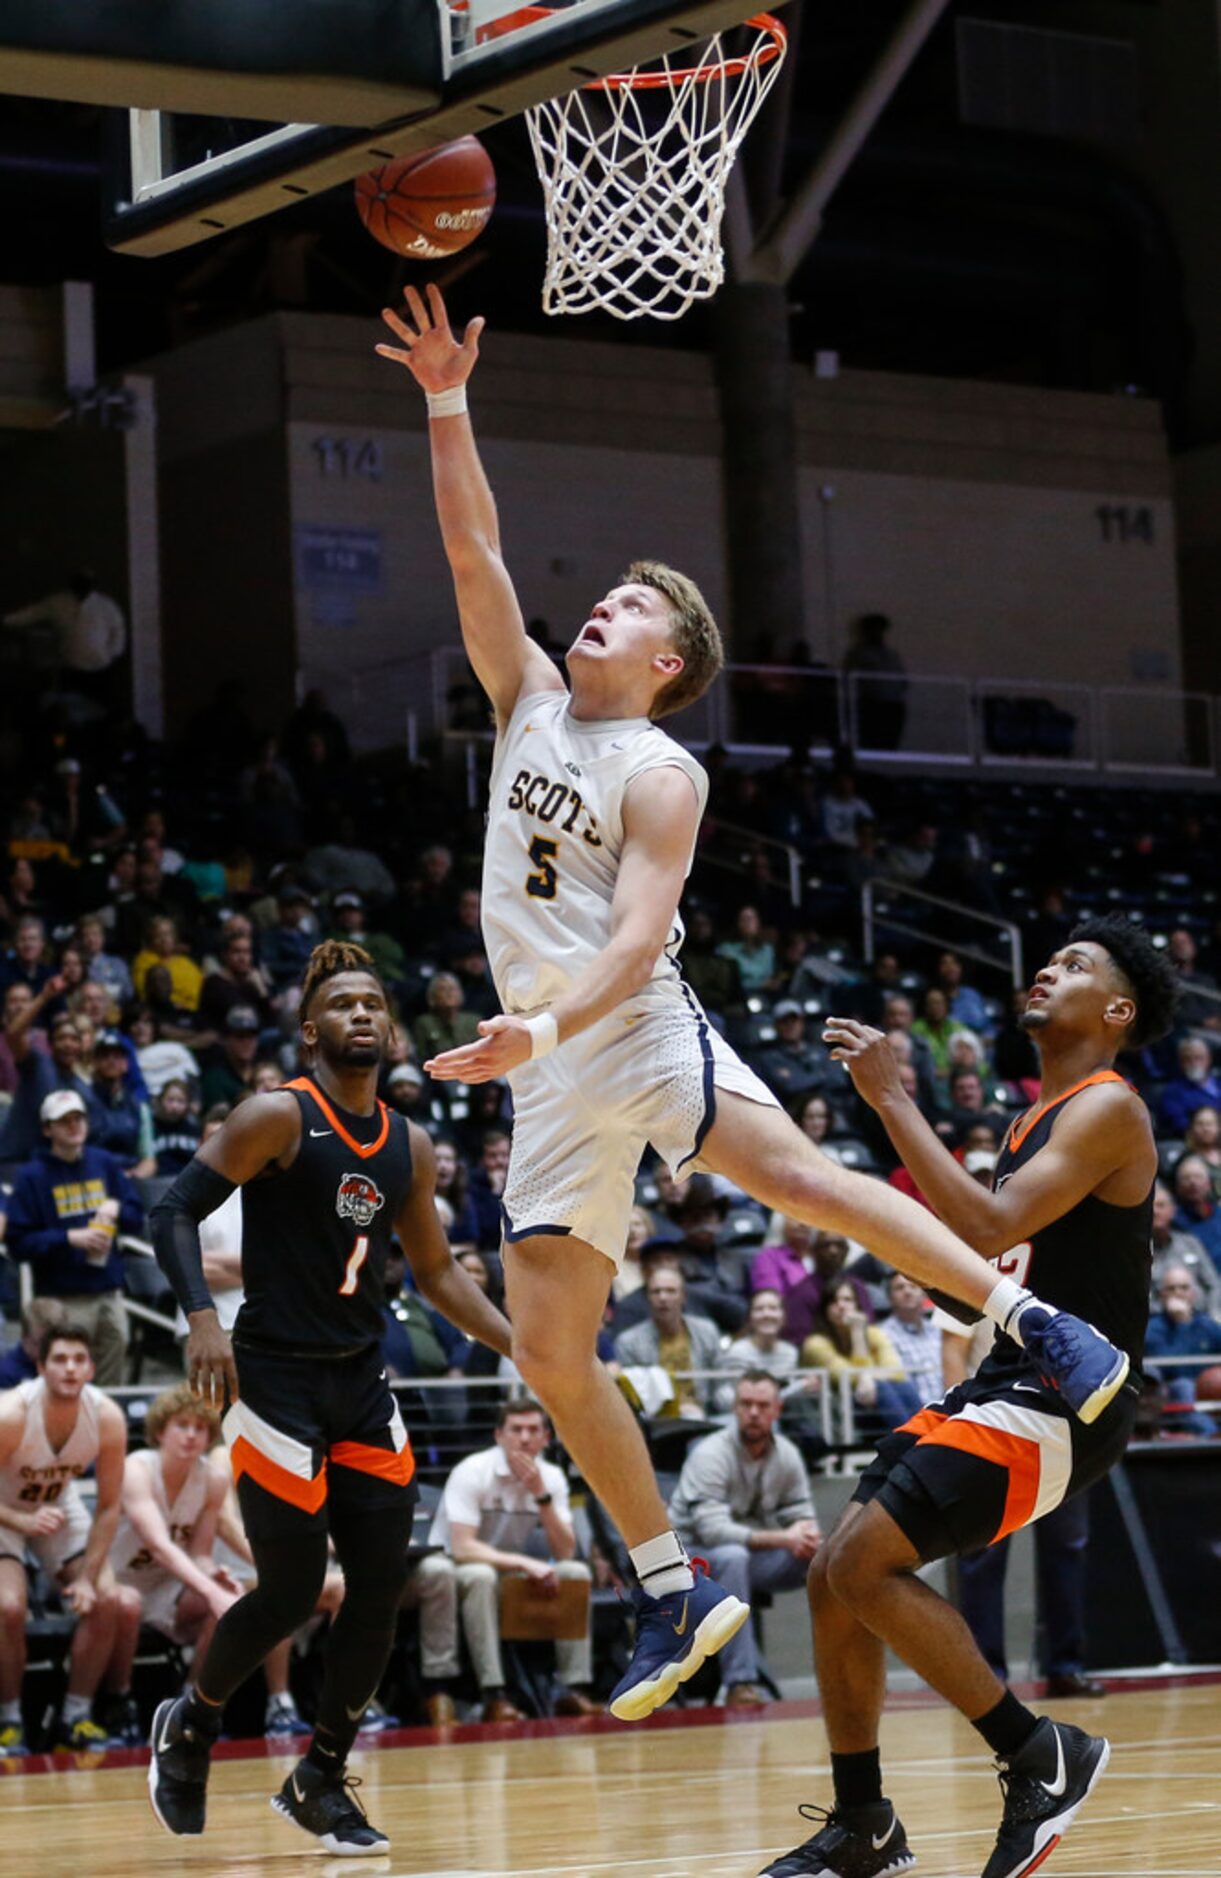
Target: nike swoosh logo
[1056,1787]
[316,1134]
[298,1796]
[354,1714]
[1029,1388]
[680,1630]
[890,1830]
[164,1745]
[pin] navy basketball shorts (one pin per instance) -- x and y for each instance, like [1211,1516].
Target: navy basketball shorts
[994,1454]
[313,1431]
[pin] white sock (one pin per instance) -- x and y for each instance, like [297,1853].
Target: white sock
[281,1702]
[662,1565]
[76,1708]
[10,1714]
[1005,1304]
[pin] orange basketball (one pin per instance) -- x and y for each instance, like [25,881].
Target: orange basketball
[430,204]
[1208,1384]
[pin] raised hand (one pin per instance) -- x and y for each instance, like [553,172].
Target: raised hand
[870,1059]
[429,350]
[504,1044]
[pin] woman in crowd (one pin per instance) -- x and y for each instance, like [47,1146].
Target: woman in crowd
[844,1342]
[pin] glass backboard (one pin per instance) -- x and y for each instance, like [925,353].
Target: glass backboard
[175,178]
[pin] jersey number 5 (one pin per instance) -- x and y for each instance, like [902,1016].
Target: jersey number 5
[351,1273]
[541,886]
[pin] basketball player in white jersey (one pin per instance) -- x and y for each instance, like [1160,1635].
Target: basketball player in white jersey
[593,818]
[174,1494]
[51,1430]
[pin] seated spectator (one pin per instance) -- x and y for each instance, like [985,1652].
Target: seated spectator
[1194,1087]
[71,972]
[444,1025]
[489,1111]
[453,1180]
[843,809]
[174,1493]
[407,1093]
[673,1341]
[285,947]
[1014,1057]
[468,962]
[915,1338]
[69,1205]
[175,1129]
[899,1019]
[418,1341]
[91,1000]
[913,859]
[18,1000]
[1180,1328]
[350,921]
[52,1430]
[743,1503]
[237,980]
[813,1115]
[28,961]
[164,948]
[935,1028]
[761,1347]
[20,1364]
[713,1273]
[1203,1137]
[504,1512]
[971,1103]
[799,1268]
[794,1063]
[487,1185]
[1197,1211]
[712,975]
[845,1342]
[161,1058]
[752,953]
[229,1066]
[343,862]
[41,1074]
[126,1124]
[967,1005]
[1171,1246]
[174,1023]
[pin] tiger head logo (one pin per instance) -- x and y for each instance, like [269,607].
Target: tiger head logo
[359,1199]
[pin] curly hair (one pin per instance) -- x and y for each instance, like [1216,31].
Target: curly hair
[1150,974]
[327,961]
[180,1400]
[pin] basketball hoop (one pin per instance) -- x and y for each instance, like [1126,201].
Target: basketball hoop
[634,169]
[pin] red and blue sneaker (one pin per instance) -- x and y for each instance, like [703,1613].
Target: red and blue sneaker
[674,1635]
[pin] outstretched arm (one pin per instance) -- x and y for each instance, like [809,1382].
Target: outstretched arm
[1101,1144]
[660,818]
[506,662]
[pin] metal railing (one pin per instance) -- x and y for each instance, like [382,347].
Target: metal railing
[875,912]
[932,719]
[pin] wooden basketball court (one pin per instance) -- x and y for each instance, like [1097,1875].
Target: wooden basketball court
[678,1798]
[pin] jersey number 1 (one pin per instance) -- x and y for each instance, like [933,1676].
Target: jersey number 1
[351,1274]
[541,886]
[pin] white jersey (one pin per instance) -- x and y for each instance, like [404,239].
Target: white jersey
[554,842]
[37,1474]
[134,1564]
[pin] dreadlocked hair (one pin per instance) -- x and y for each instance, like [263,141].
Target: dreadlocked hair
[1151,976]
[327,961]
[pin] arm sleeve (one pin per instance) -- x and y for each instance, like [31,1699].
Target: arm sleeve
[174,1224]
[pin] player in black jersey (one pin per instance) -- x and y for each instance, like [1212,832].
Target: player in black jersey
[1069,1215]
[329,1175]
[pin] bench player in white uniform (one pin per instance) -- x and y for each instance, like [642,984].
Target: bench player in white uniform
[593,818]
[174,1494]
[52,1430]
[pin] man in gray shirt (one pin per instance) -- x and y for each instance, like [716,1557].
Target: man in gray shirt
[743,1503]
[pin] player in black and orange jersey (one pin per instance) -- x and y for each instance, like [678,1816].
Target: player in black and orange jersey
[1069,1215]
[328,1176]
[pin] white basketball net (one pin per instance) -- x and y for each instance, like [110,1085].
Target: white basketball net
[634,170]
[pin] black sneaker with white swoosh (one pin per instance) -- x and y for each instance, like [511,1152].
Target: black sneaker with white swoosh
[178,1769]
[1044,1785]
[325,1806]
[852,1842]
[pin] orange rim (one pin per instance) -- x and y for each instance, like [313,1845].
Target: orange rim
[773,38]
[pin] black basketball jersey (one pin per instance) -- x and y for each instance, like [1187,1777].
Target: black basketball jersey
[315,1235]
[1095,1260]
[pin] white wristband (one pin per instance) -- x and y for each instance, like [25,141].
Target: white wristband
[451,403]
[544,1034]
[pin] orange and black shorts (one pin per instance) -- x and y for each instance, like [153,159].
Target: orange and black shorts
[994,1454]
[310,1432]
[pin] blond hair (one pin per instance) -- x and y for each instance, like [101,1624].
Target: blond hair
[181,1400]
[693,632]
